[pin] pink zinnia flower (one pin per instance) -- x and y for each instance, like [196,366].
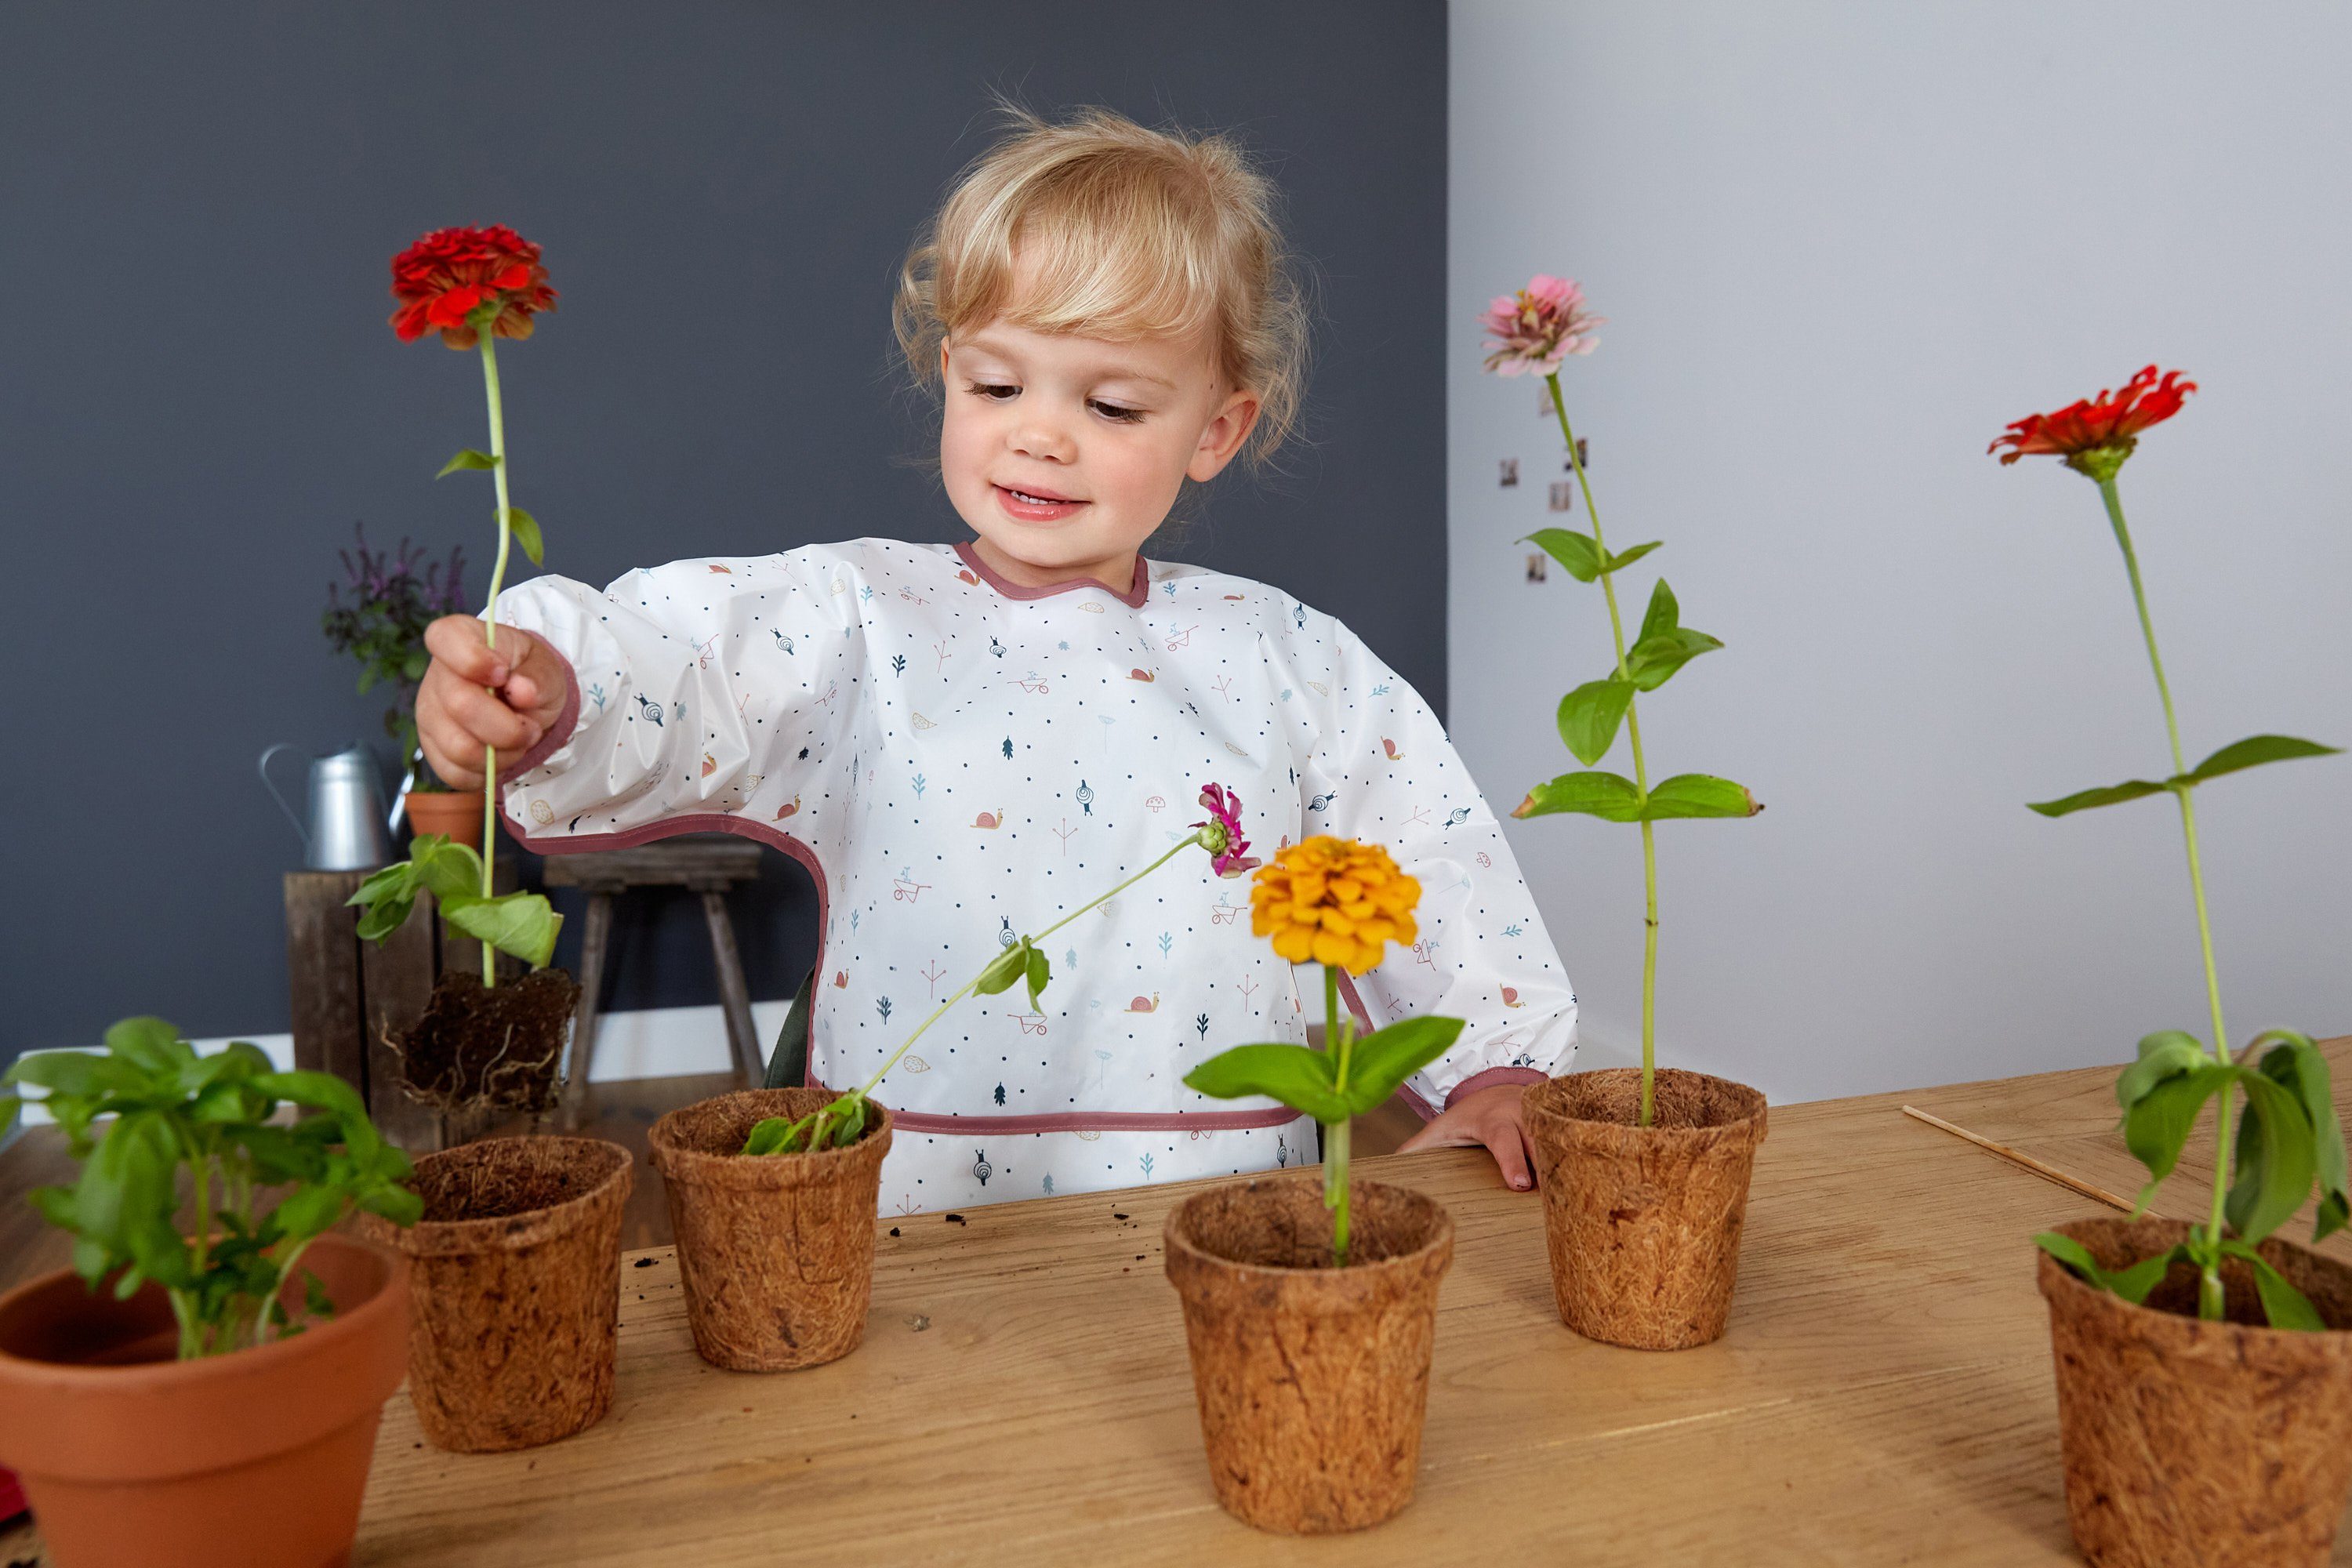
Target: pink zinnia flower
[1226,847]
[1537,327]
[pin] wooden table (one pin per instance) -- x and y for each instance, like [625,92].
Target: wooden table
[1023,1396]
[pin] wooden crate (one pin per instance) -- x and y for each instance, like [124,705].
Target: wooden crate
[351,996]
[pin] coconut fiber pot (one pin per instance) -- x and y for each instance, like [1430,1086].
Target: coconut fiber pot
[1312,1380]
[517,1289]
[1644,1223]
[776,1250]
[2222,1445]
[253,1459]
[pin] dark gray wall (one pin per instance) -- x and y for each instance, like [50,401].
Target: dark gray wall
[199,396]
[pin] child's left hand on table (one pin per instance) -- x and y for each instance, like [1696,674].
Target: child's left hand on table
[1491,1117]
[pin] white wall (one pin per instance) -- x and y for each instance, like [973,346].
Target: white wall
[1841,246]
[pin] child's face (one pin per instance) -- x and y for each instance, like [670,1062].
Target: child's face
[1065,452]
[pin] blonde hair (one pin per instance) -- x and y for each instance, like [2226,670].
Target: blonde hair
[1131,233]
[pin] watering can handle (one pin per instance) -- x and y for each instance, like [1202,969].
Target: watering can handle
[299,831]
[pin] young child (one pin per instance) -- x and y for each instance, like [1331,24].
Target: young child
[970,741]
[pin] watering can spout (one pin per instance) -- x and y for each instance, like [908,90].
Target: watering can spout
[345,831]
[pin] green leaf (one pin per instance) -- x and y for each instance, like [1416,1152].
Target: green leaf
[2156,1124]
[1610,797]
[1652,662]
[1038,972]
[1004,970]
[526,533]
[1699,795]
[1588,717]
[1299,1077]
[151,1043]
[468,459]
[1574,550]
[2297,1064]
[1626,558]
[2113,794]
[2132,1284]
[523,924]
[445,869]
[771,1135]
[1663,616]
[306,1212]
[1386,1057]
[2282,1304]
[2252,752]
[2161,1054]
[2276,1158]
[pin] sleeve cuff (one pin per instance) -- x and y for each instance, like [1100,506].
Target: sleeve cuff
[1469,1086]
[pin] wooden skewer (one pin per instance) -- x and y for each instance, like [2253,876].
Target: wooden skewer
[2047,1173]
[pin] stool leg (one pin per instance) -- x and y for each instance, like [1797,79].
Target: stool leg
[594,938]
[734,995]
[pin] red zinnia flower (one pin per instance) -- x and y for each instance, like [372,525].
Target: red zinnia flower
[2094,435]
[1228,850]
[443,278]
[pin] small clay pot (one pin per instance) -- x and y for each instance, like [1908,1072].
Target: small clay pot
[257,1459]
[1312,1380]
[2222,1445]
[1644,1223]
[776,1251]
[446,812]
[517,1289]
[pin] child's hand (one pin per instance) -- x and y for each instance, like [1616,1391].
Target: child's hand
[1492,1117]
[457,717]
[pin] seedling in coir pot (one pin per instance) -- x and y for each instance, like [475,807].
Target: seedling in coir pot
[2287,1141]
[842,1121]
[1532,332]
[480,1045]
[1338,903]
[207,1125]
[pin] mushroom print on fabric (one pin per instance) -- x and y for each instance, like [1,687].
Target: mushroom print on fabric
[1008,771]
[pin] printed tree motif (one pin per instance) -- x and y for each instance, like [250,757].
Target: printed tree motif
[1202,1024]
[919,784]
[883,1007]
[1248,988]
[1167,941]
[1000,1094]
[1008,748]
[1064,833]
[1049,1186]
[898,664]
[1147,1167]
[932,974]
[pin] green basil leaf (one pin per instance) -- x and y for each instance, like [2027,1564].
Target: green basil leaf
[1299,1077]
[1699,795]
[151,1045]
[2252,752]
[2112,794]
[466,459]
[1039,972]
[1590,715]
[2282,1304]
[526,531]
[1574,550]
[1663,616]
[1610,797]
[2278,1158]
[1006,968]
[1653,661]
[1386,1057]
[446,869]
[523,924]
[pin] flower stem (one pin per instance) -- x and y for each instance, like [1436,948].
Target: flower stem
[488,338]
[2210,1295]
[1339,1039]
[1640,771]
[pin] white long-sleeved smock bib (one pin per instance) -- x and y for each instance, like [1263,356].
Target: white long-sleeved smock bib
[958,760]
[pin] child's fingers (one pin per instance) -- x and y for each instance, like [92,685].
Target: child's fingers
[460,644]
[485,718]
[451,771]
[1510,1151]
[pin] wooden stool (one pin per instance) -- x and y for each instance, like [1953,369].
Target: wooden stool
[709,865]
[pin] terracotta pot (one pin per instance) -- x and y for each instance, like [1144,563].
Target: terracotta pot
[2222,1445]
[458,817]
[1312,1380]
[517,1289]
[776,1250]
[1644,1223]
[253,1459]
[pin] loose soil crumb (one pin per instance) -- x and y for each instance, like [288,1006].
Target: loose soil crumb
[894,1230]
[957,1219]
[642,1263]
[499,1049]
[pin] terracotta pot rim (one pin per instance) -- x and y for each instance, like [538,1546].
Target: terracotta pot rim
[2220,1342]
[511,1232]
[256,1359]
[1589,1131]
[679,1163]
[1181,1247]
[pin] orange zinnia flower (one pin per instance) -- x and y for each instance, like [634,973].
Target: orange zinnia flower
[1334,901]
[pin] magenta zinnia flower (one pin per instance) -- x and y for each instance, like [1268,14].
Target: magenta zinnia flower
[1228,850]
[1537,327]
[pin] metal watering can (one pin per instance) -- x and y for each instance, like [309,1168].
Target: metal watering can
[346,831]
